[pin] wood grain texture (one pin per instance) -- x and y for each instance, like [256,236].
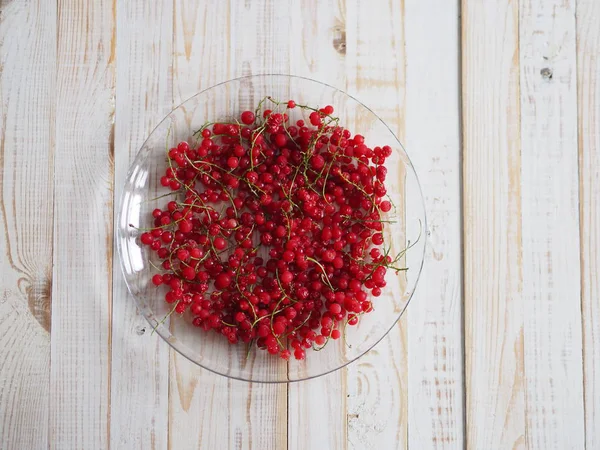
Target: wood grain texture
[83,227]
[493,267]
[588,88]
[199,400]
[378,383]
[435,387]
[27,68]
[270,50]
[140,362]
[208,410]
[317,409]
[78,370]
[550,212]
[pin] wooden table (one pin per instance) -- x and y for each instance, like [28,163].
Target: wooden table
[498,103]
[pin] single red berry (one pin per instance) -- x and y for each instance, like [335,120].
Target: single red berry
[189,273]
[247,117]
[233,162]
[315,118]
[278,328]
[183,147]
[320,339]
[286,277]
[196,308]
[299,354]
[252,177]
[335,308]
[185,226]
[280,140]
[222,280]
[317,162]
[219,243]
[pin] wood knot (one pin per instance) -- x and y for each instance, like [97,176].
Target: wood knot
[339,39]
[39,300]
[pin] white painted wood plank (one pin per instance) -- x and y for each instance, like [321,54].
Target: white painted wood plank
[550,215]
[212,45]
[82,289]
[435,360]
[493,284]
[317,415]
[140,361]
[27,68]
[588,87]
[377,384]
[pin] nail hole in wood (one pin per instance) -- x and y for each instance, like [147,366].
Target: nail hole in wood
[546,73]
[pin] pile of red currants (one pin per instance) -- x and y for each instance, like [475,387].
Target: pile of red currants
[274,236]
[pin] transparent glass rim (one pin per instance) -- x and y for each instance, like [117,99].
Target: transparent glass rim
[164,332]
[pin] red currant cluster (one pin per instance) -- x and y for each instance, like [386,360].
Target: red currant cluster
[275,238]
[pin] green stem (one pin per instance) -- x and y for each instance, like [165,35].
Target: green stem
[164,318]
[326,278]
